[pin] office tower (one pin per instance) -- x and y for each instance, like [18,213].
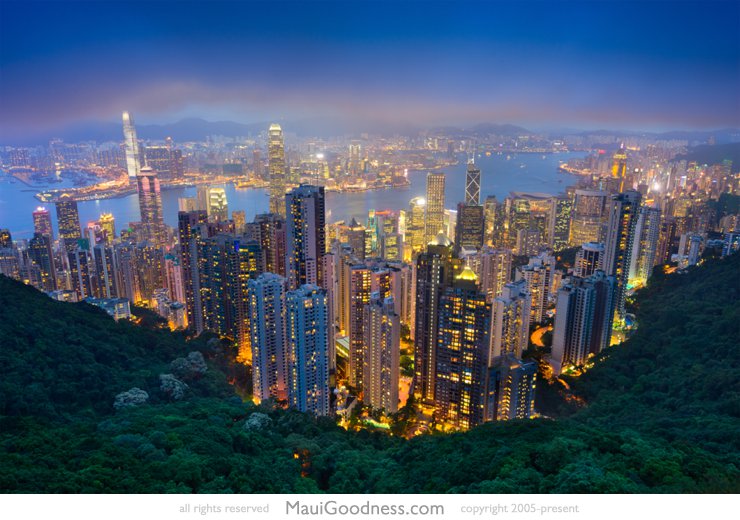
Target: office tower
[563,209]
[469,227]
[589,259]
[276,165]
[647,233]
[538,274]
[266,296]
[493,267]
[583,320]
[589,216]
[187,204]
[619,166]
[270,231]
[305,238]
[415,226]
[372,247]
[187,235]
[202,195]
[494,213]
[462,345]
[81,267]
[68,221]
[382,329]
[106,280]
[354,163]
[108,224]
[240,221]
[435,206]
[42,223]
[42,272]
[355,236]
[150,206]
[434,272]
[158,158]
[307,328]
[619,243]
[131,146]
[472,185]
[6,239]
[510,388]
[528,241]
[218,207]
[510,320]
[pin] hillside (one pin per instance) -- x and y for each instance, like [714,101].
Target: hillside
[661,414]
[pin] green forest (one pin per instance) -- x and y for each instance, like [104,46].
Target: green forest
[90,405]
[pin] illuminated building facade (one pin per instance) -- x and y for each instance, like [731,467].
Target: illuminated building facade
[583,320]
[42,223]
[308,349]
[462,346]
[511,317]
[276,167]
[435,206]
[619,244]
[305,235]
[382,329]
[150,206]
[589,259]
[266,296]
[68,221]
[510,389]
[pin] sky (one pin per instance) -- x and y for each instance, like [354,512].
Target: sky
[651,65]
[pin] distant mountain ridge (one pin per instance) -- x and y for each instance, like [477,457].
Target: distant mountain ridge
[198,129]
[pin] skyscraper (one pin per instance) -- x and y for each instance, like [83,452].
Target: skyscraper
[276,166]
[647,233]
[150,206]
[619,166]
[42,223]
[108,224]
[308,349]
[186,223]
[510,388]
[472,185]
[435,206]
[382,330]
[68,220]
[434,272]
[470,227]
[218,206]
[131,145]
[589,217]
[42,272]
[462,355]
[619,244]
[269,230]
[511,317]
[305,235]
[538,274]
[269,357]
[589,259]
[493,267]
[583,320]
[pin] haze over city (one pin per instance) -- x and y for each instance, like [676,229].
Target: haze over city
[617,65]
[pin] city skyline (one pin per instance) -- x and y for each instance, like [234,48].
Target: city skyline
[571,64]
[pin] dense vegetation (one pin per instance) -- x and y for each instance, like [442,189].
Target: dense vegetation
[658,414]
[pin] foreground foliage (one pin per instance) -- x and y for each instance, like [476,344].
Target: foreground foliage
[662,413]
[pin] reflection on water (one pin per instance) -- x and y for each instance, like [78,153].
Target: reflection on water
[499,176]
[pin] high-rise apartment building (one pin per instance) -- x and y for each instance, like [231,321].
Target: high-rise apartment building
[68,221]
[266,296]
[619,243]
[380,371]
[308,349]
[510,320]
[150,206]
[305,235]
